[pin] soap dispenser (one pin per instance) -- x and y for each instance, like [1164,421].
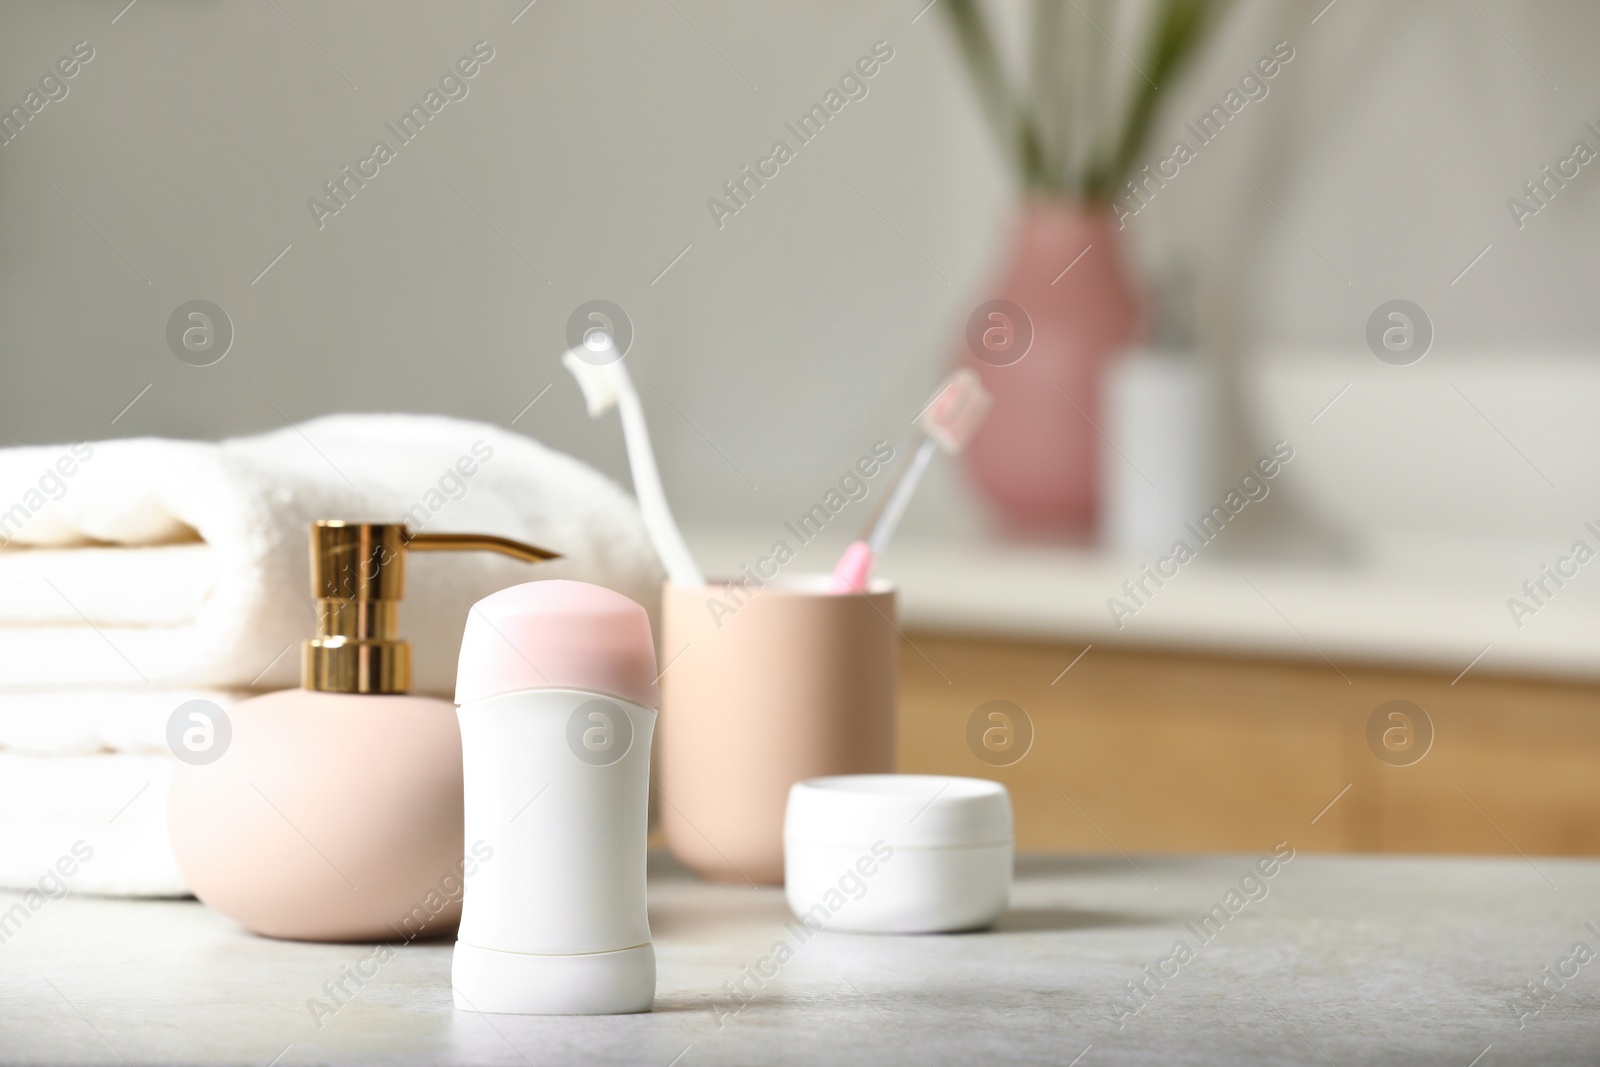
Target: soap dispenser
[335,811]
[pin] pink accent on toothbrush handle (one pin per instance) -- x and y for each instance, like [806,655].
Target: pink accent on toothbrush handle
[854,569]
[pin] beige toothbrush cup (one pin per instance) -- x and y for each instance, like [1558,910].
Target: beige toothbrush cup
[762,688]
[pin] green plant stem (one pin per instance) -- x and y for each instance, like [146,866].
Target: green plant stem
[1052,150]
[1180,26]
[1012,121]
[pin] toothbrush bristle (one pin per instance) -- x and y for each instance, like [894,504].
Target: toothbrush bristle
[596,381]
[956,410]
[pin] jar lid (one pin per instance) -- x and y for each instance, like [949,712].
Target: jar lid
[902,810]
[557,634]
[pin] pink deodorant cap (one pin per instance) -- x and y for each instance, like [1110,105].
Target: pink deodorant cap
[557,635]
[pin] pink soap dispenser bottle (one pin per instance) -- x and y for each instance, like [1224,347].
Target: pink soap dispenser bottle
[335,812]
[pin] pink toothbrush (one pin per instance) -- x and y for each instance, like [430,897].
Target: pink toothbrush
[947,422]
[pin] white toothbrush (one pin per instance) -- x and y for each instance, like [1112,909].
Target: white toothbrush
[605,386]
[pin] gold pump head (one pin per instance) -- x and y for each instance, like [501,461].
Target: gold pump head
[358,575]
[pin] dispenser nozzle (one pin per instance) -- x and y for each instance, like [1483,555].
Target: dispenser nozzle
[357,579]
[453,542]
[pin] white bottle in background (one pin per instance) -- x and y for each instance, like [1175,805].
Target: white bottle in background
[557,697]
[1161,408]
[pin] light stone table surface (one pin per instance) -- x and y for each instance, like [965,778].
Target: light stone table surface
[1345,960]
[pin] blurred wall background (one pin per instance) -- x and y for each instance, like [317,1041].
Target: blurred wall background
[774,349]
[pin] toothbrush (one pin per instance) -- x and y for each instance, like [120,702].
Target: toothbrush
[948,422]
[606,386]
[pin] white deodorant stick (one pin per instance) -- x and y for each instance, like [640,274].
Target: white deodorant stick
[557,699]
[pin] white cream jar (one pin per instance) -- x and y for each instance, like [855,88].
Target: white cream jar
[897,853]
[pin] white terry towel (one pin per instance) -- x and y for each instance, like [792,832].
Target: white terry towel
[105,814]
[84,722]
[183,564]
[84,775]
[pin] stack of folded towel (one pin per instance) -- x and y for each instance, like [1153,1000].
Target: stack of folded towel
[140,574]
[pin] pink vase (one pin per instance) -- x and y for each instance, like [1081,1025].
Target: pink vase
[1036,458]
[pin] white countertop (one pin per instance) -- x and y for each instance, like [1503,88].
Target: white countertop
[1437,613]
[1345,960]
